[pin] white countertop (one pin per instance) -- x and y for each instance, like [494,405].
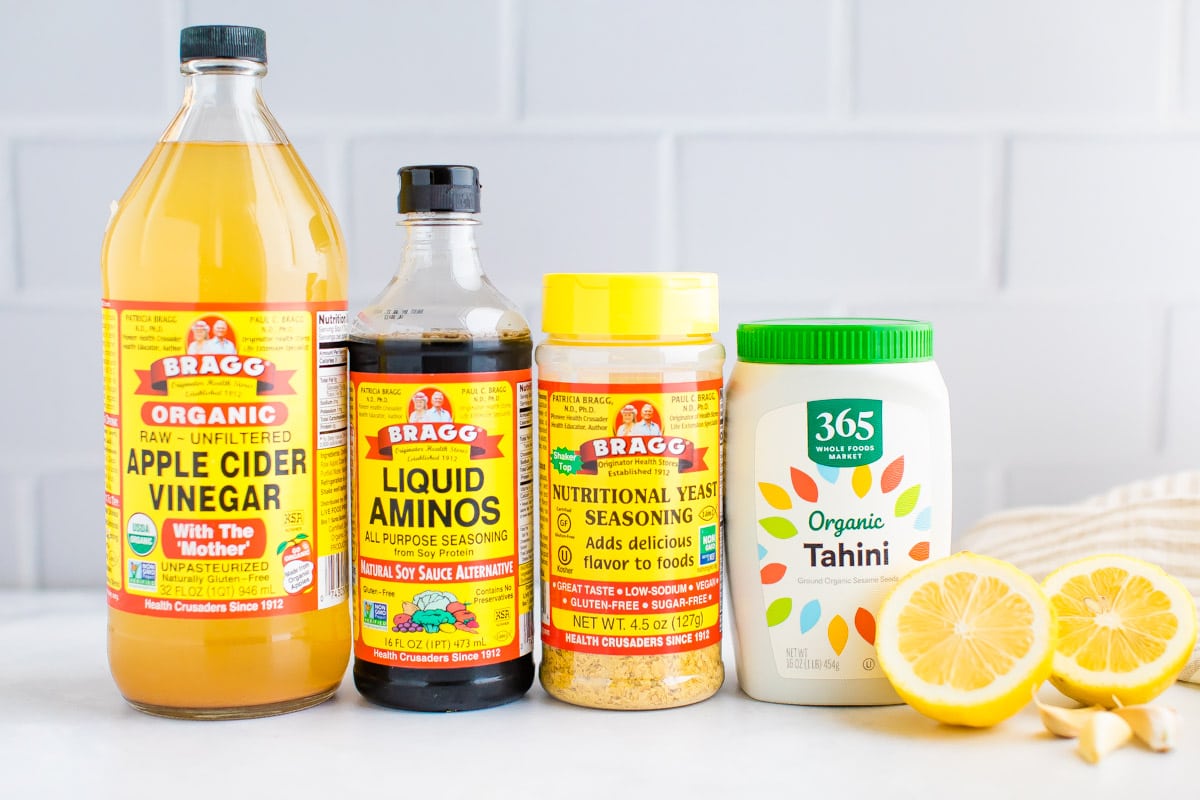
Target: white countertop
[65,731]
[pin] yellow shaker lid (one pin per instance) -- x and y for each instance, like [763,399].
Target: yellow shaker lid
[637,304]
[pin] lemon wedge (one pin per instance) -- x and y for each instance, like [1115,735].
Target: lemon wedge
[965,639]
[1125,628]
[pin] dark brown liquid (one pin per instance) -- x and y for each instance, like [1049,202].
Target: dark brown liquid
[466,688]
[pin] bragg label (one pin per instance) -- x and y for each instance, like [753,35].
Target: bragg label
[631,509]
[225,439]
[443,518]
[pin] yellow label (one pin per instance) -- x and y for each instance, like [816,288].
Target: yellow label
[442,503]
[226,453]
[631,510]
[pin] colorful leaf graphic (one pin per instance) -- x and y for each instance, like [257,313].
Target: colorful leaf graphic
[776,496]
[864,623]
[919,551]
[892,475]
[805,486]
[860,480]
[810,615]
[779,527]
[838,633]
[762,552]
[772,573]
[778,611]
[907,501]
[829,473]
[924,519]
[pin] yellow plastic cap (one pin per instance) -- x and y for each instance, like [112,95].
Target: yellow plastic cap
[630,304]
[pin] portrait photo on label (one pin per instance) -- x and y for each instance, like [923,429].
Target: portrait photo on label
[211,335]
[429,404]
[638,418]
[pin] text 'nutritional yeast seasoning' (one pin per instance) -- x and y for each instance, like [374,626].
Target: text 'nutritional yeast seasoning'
[629,406]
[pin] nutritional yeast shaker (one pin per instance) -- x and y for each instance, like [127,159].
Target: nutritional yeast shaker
[442,424]
[629,406]
[224,310]
[838,483]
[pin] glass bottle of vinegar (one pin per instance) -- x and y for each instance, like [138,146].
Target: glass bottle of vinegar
[224,308]
[441,410]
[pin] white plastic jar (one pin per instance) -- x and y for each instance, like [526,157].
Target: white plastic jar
[838,482]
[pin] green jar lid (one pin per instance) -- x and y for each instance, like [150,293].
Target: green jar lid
[834,341]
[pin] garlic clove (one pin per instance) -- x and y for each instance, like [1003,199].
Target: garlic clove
[1102,733]
[1156,726]
[1064,722]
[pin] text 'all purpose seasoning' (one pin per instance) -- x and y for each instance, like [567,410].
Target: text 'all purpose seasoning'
[629,406]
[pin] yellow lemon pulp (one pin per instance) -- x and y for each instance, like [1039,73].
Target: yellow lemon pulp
[1125,629]
[966,639]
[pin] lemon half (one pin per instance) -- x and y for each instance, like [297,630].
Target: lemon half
[966,639]
[1125,629]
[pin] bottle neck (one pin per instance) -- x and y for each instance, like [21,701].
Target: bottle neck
[222,102]
[440,245]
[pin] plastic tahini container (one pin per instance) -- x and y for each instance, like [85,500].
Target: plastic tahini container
[837,484]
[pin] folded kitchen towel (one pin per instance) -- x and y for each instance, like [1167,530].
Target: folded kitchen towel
[1157,520]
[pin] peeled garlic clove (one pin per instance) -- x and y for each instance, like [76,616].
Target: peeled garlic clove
[1102,733]
[1157,726]
[1064,722]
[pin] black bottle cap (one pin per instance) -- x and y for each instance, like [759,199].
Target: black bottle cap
[439,188]
[223,41]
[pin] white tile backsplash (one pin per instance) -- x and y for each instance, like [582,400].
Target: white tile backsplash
[1022,57]
[1025,174]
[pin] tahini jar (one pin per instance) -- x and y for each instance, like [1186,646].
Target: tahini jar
[838,483]
[629,409]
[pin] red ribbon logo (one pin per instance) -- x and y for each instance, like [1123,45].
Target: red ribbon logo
[402,434]
[268,379]
[672,448]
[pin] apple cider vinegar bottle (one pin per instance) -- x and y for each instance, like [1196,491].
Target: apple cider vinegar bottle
[224,309]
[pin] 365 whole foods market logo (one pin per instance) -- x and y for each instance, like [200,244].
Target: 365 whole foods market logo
[434,612]
[846,432]
[864,540]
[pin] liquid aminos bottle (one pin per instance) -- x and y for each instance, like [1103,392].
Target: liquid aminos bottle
[224,309]
[441,411]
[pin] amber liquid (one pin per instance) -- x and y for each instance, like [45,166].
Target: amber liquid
[225,223]
[465,688]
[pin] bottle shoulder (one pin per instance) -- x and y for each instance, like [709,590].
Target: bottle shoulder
[622,362]
[447,309]
[232,221]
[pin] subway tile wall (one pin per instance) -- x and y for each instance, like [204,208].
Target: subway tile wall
[1024,173]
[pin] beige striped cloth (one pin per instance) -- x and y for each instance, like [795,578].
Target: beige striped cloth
[1157,520]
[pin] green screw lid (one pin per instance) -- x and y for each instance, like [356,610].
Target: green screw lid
[834,341]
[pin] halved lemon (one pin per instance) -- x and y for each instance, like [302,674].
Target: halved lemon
[1125,629]
[966,639]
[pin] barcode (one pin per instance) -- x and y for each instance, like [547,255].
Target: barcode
[331,579]
[527,632]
